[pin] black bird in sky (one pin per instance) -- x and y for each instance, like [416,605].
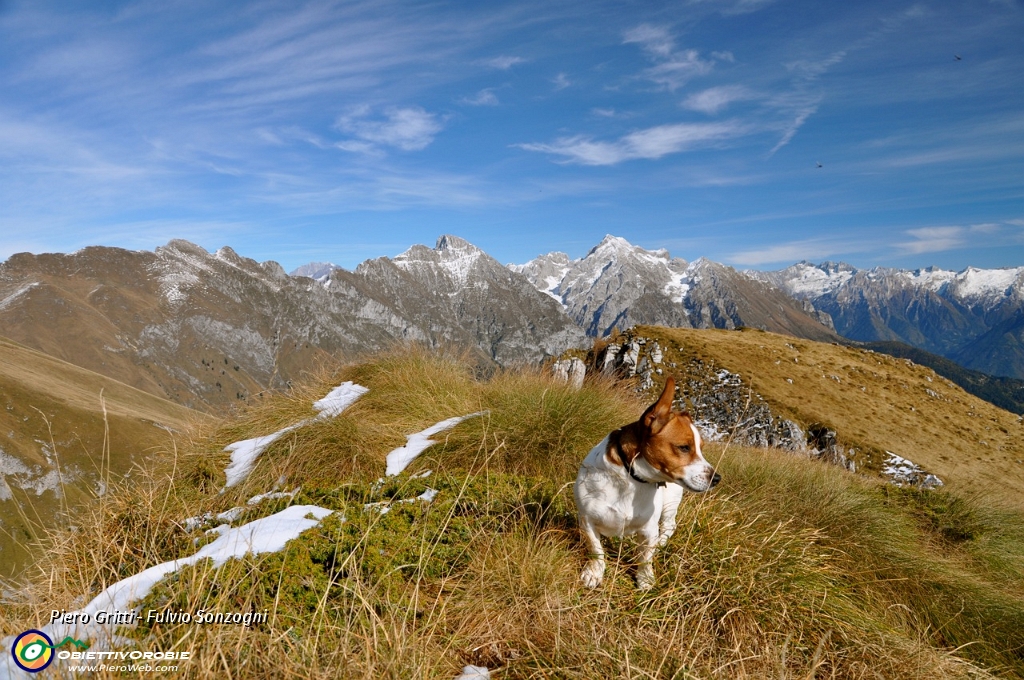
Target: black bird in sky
[820,165]
[957,57]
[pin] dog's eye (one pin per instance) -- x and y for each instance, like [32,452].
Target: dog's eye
[685,448]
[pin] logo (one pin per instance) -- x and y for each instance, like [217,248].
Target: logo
[32,651]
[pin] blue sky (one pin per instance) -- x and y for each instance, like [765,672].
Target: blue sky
[342,131]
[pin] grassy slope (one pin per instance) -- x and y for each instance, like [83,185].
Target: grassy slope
[790,569]
[1006,393]
[875,402]
[46,402]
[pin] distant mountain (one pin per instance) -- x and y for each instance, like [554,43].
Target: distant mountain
[620,285]
[973,316]
[207,329]
[315,270]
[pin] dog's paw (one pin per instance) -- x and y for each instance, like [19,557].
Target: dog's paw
[663,539]
[645,577]
[593,574]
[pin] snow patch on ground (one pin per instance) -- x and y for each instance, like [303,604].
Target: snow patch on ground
[474,673]
[417,443]
[901,472]
[244,453]
[339,399]
[266,535]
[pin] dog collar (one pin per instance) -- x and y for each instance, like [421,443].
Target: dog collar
[628,464]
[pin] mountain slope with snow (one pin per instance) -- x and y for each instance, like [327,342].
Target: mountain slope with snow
[619,285]
[973,316]
[210,329]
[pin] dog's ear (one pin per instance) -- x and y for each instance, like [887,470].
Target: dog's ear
[657,414]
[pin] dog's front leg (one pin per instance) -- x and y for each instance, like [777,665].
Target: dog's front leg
[645,574]
[593,573]
[671,496]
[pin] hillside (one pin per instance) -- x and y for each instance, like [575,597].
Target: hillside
[874,402]
[470,556]
[59,449]
[1006,393]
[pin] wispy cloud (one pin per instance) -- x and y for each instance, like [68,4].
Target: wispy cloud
[933,240]
[484,97]
[561,81]
[504,63]
[715,99]
[672,68]
[938,239]
[650,143]
[408,129]
[795,251]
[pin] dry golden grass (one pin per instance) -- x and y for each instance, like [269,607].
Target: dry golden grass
[789,569]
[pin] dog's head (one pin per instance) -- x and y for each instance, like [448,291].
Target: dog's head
[670,444]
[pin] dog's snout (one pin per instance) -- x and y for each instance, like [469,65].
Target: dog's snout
[715,479]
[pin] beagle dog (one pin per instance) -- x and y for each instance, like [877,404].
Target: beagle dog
[632,483]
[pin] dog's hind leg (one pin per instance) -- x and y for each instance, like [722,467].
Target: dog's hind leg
[593,573]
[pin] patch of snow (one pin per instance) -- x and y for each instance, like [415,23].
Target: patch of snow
[339,399]
[677,287]
[807,280]
[271,495]
[417,443]
[266,535]
[901,471]
[244,453]
[384,507]
[974,283]
[16,294]
[230,515]
[474,673]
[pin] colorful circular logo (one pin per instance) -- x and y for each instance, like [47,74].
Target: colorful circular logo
[32,651]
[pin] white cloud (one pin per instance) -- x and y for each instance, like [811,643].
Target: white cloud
[715,99]
[504,63]
[408,129]
[561,81]
[484,97]
[655,40]
[672,68]
[933,240]
[650,143]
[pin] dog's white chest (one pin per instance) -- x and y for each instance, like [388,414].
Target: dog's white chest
[615,504]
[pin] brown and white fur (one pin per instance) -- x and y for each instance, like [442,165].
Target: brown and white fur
[632,483]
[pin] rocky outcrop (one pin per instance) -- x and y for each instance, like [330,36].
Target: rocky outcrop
[727,409]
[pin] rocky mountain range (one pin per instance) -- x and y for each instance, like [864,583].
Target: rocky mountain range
[209,329]
[619,285]
[974,317]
